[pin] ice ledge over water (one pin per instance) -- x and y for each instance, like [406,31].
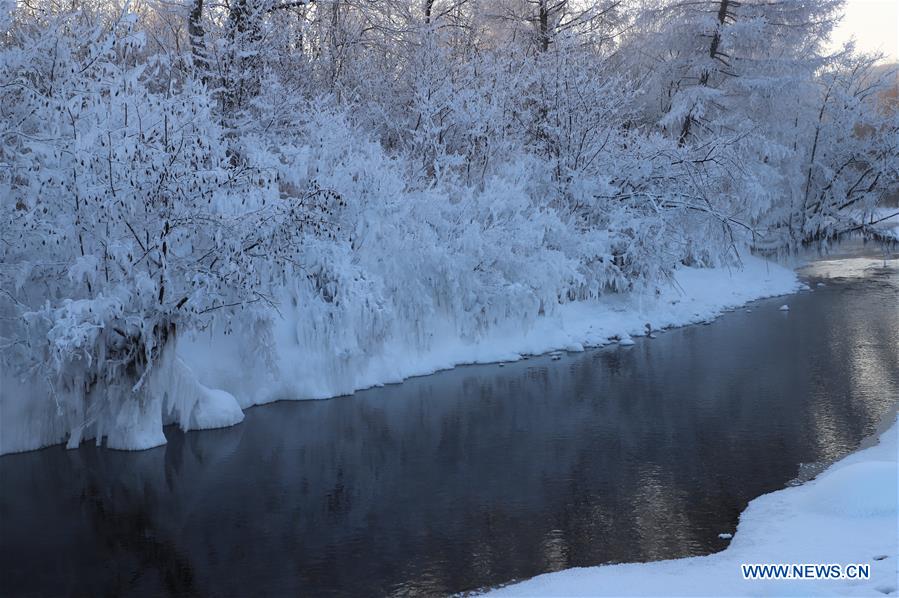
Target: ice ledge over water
[311,365]
[848,514]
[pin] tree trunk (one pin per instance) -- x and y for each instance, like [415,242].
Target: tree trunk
[543,24]
[704,77]
[198,39]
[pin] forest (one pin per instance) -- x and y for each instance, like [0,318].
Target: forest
[337,175]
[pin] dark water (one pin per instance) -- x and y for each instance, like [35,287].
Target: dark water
[475,476]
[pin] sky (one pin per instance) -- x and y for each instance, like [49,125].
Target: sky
[874,24]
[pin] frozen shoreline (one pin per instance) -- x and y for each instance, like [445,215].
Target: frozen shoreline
[847,514]
[319,371]
[315,369]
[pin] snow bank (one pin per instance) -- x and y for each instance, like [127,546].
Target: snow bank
[437,207]
[315,361]
[171,395]
[846,515]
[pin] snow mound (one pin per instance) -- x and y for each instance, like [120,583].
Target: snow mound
[195,406]
[137,426]
[215,409]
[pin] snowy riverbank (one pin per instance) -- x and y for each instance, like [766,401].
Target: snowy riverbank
[310,363]
[848,514]
[324,364]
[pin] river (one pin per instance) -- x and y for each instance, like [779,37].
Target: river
[475,476]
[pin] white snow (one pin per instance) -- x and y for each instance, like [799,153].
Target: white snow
[848,514]
[311,225]
[171,394]
[318,367]
[213,377]
[136,426]
[215,409]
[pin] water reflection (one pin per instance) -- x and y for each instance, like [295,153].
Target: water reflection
[471,477]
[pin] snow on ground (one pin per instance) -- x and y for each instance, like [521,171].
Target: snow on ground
[316,370]
[311,366]
[846,515]
[175,395]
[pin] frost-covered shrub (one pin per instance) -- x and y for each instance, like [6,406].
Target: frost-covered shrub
[129,218]
[315,188]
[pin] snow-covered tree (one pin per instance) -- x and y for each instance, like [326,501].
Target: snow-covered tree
[337,176]
[128,217]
